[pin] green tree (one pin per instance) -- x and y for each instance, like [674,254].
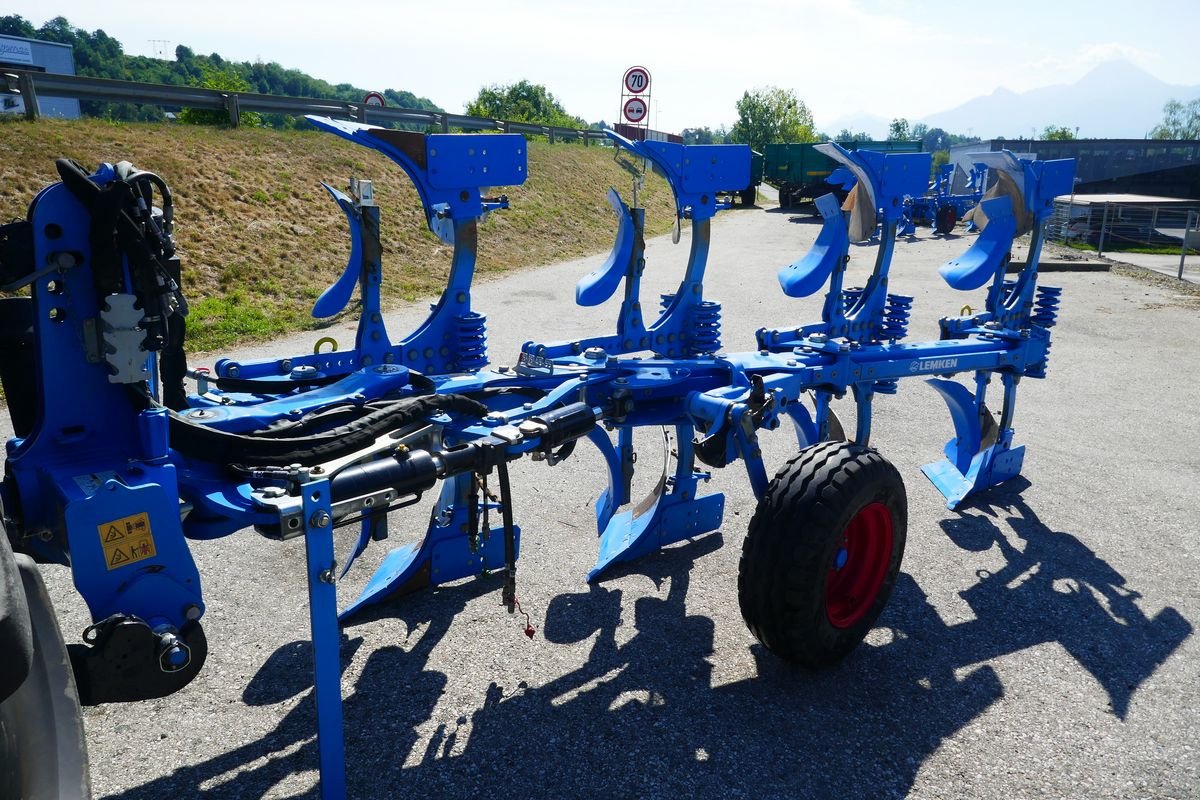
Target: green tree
[99,55]
[522,102]
[847,135]
[898,130]
[16,25]
[772,115]
[700,136]
[1058,133]
[1180,121]
[935,139]
[225,80]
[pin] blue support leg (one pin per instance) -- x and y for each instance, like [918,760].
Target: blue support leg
[326,639]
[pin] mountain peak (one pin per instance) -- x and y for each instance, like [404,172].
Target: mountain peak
[1117,74]
[1085,104]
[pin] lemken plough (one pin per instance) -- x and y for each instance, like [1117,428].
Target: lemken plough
[295,446]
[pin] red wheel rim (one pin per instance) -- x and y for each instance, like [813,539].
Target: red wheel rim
[859,566]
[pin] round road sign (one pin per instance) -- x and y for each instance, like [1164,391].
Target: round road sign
[635,110]
[637,80]
[373,99]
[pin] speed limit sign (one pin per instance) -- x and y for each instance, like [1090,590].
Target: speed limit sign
[635,110]
[637,80]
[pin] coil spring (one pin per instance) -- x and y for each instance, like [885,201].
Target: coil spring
[850,297]
[472,341]
[1045,311]
[706,328]
[895,317]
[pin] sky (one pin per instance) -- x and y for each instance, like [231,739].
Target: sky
[843,58]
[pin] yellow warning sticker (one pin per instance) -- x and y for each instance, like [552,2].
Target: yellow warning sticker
[127,540]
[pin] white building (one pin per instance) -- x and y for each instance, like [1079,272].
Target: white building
[38,56]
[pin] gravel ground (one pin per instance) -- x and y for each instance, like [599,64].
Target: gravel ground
[1038,644]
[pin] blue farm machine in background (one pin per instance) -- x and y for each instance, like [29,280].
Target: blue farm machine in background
[115,468]
[940,207]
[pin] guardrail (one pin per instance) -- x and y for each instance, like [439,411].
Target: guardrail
[30,84]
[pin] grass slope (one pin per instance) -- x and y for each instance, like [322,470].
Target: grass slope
[260,239]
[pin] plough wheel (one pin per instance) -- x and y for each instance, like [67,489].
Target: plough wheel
[945,219]
[42,749]
[822,552]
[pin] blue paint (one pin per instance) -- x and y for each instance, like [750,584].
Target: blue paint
[83,465]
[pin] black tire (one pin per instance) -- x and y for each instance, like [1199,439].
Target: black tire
[945,219]
[811,584]
[42,747]
[749,195]
[785,195]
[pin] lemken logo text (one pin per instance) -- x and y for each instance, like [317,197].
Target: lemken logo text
[937,364]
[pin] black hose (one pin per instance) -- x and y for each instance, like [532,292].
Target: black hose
[212,445]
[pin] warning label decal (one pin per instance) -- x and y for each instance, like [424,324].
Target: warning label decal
[126,540]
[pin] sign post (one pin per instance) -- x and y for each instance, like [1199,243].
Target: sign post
[635,101]
[372,100]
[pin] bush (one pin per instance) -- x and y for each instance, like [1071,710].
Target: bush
[223,80]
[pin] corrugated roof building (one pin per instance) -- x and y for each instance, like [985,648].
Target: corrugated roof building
[39,56]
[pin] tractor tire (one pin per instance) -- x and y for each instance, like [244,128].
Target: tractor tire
[749,195]
[944,220]
[785,195]
[42,748]
[822,552]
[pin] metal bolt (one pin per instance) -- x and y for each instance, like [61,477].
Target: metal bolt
[285,365]
[320,519]
[57,314]
[327,576]
[233,370]
[191,613]
[318,470]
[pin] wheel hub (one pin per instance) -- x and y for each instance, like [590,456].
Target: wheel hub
[859,566]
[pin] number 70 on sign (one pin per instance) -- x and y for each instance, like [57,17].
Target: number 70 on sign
[637,80]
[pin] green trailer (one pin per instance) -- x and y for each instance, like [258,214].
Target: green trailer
[798,171]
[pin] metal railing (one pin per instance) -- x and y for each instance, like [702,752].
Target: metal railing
[31,84]
[1116,227]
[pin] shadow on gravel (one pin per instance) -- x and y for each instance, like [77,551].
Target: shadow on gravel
[1053,588]
[641,719]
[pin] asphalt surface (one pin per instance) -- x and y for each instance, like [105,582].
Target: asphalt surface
[1039,642]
